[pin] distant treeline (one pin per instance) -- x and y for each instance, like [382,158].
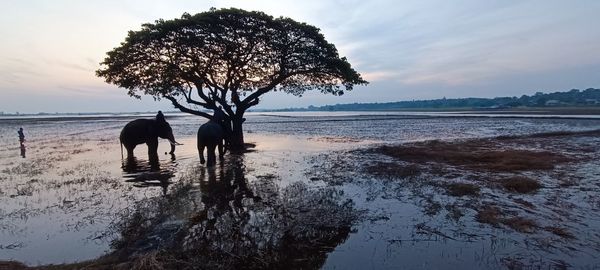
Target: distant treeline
[572,98]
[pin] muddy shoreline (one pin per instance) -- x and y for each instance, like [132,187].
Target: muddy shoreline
[317,199]
[539,191]
[503,183]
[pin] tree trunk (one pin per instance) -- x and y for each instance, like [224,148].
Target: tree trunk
[237,135]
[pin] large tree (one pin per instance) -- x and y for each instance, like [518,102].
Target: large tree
[226,59]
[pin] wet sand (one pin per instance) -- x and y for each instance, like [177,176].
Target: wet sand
[516,202]
[308,196]
[76,192]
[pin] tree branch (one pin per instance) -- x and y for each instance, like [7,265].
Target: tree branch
[252,99]
[185,109]
[209,102]
[210,80]
[188,99]
[254,96]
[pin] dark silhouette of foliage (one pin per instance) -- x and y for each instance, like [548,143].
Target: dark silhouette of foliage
[227,58]
[573,98]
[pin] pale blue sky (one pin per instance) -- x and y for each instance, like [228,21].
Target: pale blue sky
[407,49]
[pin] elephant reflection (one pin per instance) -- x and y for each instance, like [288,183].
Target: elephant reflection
[147,174]
[210,136]
[224,191]
[222,220]
[147,131]
[290,228]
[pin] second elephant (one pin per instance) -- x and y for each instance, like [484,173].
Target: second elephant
[211,136]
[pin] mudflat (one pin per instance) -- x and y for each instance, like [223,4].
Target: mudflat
[324,191]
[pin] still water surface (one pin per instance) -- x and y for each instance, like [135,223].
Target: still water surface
[58,203]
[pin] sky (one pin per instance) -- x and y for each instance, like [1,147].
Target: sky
[407,50]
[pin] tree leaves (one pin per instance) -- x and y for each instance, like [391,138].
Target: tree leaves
[216,57]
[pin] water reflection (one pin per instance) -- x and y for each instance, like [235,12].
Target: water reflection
[216,218]
[23,150]
[148,173]
[223,191]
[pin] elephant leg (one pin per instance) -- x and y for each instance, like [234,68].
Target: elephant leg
[201,153]
[153,150]
[130,151]
[210,155]
[220,148]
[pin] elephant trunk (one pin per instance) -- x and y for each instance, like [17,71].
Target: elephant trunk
[172,148]
[173,143]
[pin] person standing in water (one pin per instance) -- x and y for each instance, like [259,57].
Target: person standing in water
[22,141]
[21,136]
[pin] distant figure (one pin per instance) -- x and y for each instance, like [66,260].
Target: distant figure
[22,141]
[21,136]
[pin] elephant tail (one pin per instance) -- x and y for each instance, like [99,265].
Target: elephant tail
[121,143]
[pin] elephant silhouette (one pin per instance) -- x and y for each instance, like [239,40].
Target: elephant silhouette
[211,136]
[147,131]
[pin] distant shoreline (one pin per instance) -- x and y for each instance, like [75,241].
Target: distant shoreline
[521,110]
[529,110]
[581,112]
[525,112]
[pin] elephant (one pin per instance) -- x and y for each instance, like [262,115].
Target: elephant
[210,136]
[147,131]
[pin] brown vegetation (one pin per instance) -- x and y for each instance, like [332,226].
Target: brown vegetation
[394,170]
[562,232]
[520,184]
[462,189]
[494,216]
[595,132]
[431,207]
[148,261]
[489,214]
[454,211]
[515,164]
[520,224]
[11,265]
[524,203]
[482,155]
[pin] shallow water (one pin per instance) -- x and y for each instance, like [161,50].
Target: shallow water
[72,185]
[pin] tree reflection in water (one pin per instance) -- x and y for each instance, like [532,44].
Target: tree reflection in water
[216,218]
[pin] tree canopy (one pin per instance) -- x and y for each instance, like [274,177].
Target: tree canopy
[227,58]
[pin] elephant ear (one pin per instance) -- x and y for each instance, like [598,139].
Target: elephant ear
[160,117]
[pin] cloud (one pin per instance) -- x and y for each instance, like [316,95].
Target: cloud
[14,71]
[87,66]
[90,91]
[455,45]
[407,50]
